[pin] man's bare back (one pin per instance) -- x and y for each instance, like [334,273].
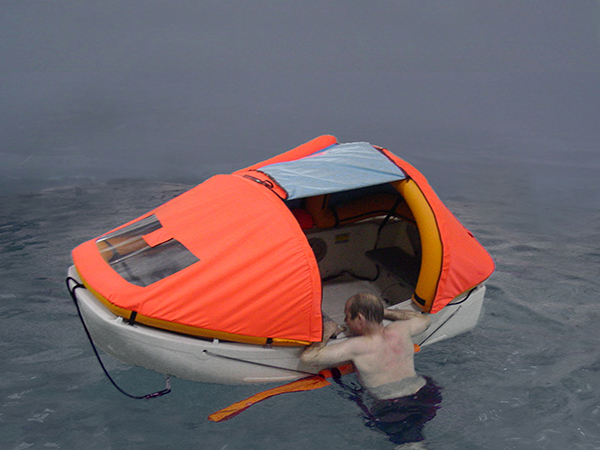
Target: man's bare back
[401,401]
[382,355]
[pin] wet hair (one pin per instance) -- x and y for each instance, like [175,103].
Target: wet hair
[366,304]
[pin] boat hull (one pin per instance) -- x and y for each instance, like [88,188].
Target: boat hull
[214,361]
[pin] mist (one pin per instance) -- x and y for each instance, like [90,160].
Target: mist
[181,90]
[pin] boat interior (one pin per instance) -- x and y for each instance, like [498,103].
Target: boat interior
[367,256]
[364,240]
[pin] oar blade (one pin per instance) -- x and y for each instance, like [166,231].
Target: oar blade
[304,384]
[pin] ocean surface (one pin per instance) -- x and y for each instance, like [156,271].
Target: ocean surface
[109,109]
[527,377]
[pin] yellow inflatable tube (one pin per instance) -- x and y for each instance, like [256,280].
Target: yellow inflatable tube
[431,244]
[414,208]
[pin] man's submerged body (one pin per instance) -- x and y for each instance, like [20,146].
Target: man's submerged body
[402,388]
[384,359]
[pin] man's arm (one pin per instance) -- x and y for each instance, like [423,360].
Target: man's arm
[319,354]
[418,321]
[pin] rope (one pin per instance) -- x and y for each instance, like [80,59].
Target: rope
[443,323]
[72,289]
[256,363]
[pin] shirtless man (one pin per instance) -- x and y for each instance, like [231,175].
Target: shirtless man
[383,357]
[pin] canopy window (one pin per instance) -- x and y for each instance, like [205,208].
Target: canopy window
[142,254]
[337,168]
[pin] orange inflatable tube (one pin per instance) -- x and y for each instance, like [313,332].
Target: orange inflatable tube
[370,206]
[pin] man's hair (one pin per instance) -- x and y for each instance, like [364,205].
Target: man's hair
[368,305]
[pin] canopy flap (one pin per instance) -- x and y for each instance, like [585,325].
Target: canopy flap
[338,168]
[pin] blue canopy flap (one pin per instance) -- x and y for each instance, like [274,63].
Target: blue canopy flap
[341,167]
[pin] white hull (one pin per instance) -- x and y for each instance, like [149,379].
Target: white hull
[214,361]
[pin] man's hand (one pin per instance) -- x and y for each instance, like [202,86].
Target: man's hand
[330,329]
[313,353]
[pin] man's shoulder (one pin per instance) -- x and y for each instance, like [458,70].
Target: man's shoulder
[415,325]
[398,326]
[359,344]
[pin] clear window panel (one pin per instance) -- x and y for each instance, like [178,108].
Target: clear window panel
[127,252]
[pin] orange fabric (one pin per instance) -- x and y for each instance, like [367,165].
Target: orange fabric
[303,384]
[374,205]
[465,263]
[257,275]
[308,148]
[157,237]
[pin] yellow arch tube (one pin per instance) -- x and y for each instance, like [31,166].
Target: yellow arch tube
[431,244]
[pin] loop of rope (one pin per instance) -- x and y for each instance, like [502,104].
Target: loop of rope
[72,286]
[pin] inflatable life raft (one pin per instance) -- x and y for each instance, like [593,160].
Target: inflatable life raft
[229,281]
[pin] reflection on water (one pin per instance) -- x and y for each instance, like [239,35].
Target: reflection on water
[526,377]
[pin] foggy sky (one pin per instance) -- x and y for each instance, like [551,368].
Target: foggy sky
[184,89]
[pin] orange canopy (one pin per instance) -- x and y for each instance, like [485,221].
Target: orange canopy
[238,261]
[256,274]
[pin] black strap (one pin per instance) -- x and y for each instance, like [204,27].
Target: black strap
[131,320]
[418,299]
[387,218]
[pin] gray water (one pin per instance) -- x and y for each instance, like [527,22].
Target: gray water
[110,109]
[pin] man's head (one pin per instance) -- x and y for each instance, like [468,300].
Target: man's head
[363,307]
